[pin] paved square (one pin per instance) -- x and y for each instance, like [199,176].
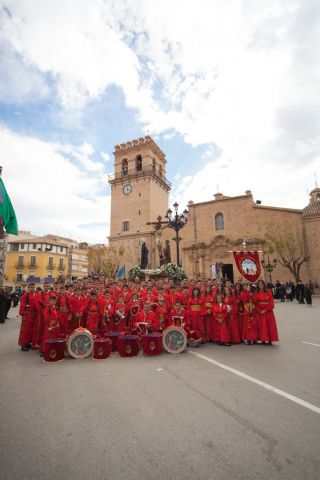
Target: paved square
[173,416]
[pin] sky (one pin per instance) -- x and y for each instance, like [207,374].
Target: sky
[228,89]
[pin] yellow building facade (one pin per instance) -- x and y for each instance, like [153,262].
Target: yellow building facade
[35,259]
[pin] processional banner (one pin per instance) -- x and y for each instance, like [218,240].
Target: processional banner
[248,264]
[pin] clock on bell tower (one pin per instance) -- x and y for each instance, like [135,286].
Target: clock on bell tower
[139,194]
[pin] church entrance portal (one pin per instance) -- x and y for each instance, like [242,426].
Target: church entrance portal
[227,271]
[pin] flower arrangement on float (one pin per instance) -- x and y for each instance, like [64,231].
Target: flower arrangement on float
[134,272]
[171,270]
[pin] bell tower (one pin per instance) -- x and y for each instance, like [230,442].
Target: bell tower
[139,194]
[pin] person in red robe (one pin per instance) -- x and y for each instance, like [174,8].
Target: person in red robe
[249,326]
[230,302]
[179,317]
[135,306]
[64,311]
[121,315]
[92,313]
[196,315]
[42,302]
[28,314]
[184,296]
[146,321]
[219,289]
[51,326]
[209,324]
[266,322]
[239,300]
[76,309]
[220,314]
[107,319]
[162,313]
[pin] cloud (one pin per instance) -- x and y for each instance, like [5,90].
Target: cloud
[49,193]
[19,82]
[105,156]
[76,45]
[241,78]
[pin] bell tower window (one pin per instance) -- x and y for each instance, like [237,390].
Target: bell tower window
[124,167]
[138,163]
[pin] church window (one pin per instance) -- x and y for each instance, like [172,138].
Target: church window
[124,166]
[139,212]
[160,170]
[138,163]
[154,165]
[125,226]
[219,221]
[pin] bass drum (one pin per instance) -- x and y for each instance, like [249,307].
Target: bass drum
[174,339]
[80,343]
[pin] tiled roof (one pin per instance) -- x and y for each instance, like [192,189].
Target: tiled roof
[312,209]
[48,241]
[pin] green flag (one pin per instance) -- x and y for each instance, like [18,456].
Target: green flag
[7,212]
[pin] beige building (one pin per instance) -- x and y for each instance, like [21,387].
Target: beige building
[77,258]
[140,193]
[78,262]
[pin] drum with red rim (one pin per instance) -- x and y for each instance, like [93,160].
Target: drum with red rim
[54,349]
[113,337]
[152,343]
[101,348]
[128,345]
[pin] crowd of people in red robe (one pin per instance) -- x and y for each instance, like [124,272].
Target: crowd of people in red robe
[208,311]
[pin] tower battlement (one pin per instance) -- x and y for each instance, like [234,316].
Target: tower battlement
[139,144]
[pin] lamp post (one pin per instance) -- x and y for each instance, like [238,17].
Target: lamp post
[177,222]
[174,220]
[269,267]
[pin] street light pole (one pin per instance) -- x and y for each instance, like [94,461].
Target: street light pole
[176,222]
[269,267]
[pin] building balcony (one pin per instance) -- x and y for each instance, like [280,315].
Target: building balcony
[61,267]
[32,265]
[51,266]
[20,265]
[147,169]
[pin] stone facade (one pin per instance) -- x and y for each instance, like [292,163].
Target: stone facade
[139,193]
[214,228]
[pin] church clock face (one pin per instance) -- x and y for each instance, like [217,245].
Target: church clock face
[127,189]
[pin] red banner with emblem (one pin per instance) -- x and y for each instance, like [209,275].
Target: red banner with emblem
[248,264]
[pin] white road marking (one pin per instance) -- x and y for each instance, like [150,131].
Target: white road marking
[294,399]
[314,344]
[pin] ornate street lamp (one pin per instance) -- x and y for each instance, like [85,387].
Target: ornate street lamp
[269,267]
[174,220]
[177,222]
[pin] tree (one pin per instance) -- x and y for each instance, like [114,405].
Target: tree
[288,243]
[62,279]
[105,260]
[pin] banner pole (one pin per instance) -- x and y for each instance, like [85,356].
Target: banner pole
[2,253]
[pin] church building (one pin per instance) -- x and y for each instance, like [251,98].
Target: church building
[215,228]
